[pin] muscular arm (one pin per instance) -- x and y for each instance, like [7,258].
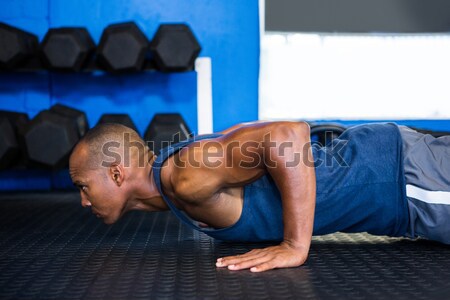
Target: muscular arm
[237,126]
[283,150]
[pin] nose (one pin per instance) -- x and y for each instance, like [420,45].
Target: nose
[84,201]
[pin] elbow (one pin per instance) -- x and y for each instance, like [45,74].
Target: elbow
[302,128]
[292,131]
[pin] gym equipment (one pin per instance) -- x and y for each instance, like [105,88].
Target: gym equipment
[9,147]
[123,48]
[123,119]
[49,138]
[10,125]
[78,117]
[17,119]
[174,48]
[325,133]
[16,46]
[165,129]
[67,48]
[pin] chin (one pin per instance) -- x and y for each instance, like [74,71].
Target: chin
[109,221]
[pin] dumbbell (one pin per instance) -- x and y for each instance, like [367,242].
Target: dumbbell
[123,119]
[67,49]
[17,47]
[78,117]
[164,130]
[50,136]
[325,133]
[123,48]
[175,48]
[10,125]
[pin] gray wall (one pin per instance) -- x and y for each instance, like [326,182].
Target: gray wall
[405,16]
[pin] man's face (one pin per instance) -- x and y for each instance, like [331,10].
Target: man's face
[98,189]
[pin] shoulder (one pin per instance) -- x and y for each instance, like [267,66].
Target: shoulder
[193,176]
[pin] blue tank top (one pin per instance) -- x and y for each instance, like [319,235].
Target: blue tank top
[359,181]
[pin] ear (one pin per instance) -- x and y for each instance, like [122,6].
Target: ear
[117,174]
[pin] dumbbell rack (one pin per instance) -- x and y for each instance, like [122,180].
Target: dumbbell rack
[34,64]
[47,180]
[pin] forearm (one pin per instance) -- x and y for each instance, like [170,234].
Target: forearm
[298,216]
[286,151]
[292,169]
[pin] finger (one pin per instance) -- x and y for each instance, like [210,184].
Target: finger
[250,263]
[277,262]
[231,260]
[235,260]
[264,266]
[254,251]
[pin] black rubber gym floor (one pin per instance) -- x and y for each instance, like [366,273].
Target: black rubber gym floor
[51,248]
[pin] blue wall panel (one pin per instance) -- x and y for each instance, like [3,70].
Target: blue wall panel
[139,95]
[24,92]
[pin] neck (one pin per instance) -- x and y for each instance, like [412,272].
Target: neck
[145,194]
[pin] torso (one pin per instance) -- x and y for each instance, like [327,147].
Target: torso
[223,210]
[369,196]
[214,208]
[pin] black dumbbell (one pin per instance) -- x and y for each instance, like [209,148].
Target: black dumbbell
[9,147]
[123,119]
[164,130]
[67,48]
[10,125]
[51,135]
[175,48]
[16,47]
[123,48]
[78,117]
[18,120]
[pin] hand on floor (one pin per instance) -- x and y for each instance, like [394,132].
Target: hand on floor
[259,260]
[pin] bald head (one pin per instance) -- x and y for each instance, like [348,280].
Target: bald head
[108,144]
